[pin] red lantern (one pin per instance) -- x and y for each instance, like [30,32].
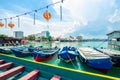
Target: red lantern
[47,15]
[11,25]
[1,24]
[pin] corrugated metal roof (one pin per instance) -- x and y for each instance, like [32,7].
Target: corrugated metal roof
[113,32]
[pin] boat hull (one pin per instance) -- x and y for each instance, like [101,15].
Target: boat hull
[95,60]
[21,54]
[4,51]
[102,65]
[114,57]
[43,58]
[44,55]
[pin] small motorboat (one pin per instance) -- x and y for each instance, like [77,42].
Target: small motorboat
[42,54]
[115,55]
[95,59]
[23,51]
[5,50]
[68,54]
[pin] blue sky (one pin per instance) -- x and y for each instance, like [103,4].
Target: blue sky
[89,18]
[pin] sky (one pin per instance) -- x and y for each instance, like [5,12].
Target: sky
[87,18]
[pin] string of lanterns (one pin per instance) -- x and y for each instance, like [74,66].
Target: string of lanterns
[47,15]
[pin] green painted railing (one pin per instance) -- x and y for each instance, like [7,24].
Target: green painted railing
[48,70]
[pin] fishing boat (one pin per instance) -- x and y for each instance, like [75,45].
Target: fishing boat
[44,53]
[68,54]
[15,68]
[115,55]
[95,59]
[5,50]
[23,51]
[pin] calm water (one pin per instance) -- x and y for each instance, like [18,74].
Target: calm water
[97,44]
[77,64]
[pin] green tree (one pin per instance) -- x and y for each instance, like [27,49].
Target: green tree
[3,35]
[79,37]
[43,37]
[31,37]
[25,37]
[50,38]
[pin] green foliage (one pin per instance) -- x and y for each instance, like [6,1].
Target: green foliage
[43,37]
[31,37]
[79,37]
[25,38]
[50,38]
[3,35]
[47,38]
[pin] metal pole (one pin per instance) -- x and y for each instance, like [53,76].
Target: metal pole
[18,21]
[60,12]
[5,23]
[34,18]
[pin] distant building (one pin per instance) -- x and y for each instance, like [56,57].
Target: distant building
[114,40]
[43,33]
[18,34]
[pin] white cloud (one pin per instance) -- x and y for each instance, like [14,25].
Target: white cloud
[115,17]
[76,14]
[63,28]
[5,13]
[84,10]
[56,28]
[71,11]
[26,24]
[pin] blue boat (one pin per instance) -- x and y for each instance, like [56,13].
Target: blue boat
[5,50]
[115,55]
[68,54]
[41,54]
[22,51]
[95,59]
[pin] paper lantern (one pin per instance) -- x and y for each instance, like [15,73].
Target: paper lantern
[11,25]
[47,15]
[1,24]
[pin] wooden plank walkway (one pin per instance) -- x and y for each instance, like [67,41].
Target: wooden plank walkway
[2,61]
[31,76]
[11,72]
[6,65]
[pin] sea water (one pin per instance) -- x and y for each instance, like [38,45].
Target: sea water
[96,44]
[77,64]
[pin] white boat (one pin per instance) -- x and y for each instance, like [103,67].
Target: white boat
[58,41]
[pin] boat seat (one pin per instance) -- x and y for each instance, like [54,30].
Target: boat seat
[31,76]
[56,77]
[11,72]
[1,61]
[6,65]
